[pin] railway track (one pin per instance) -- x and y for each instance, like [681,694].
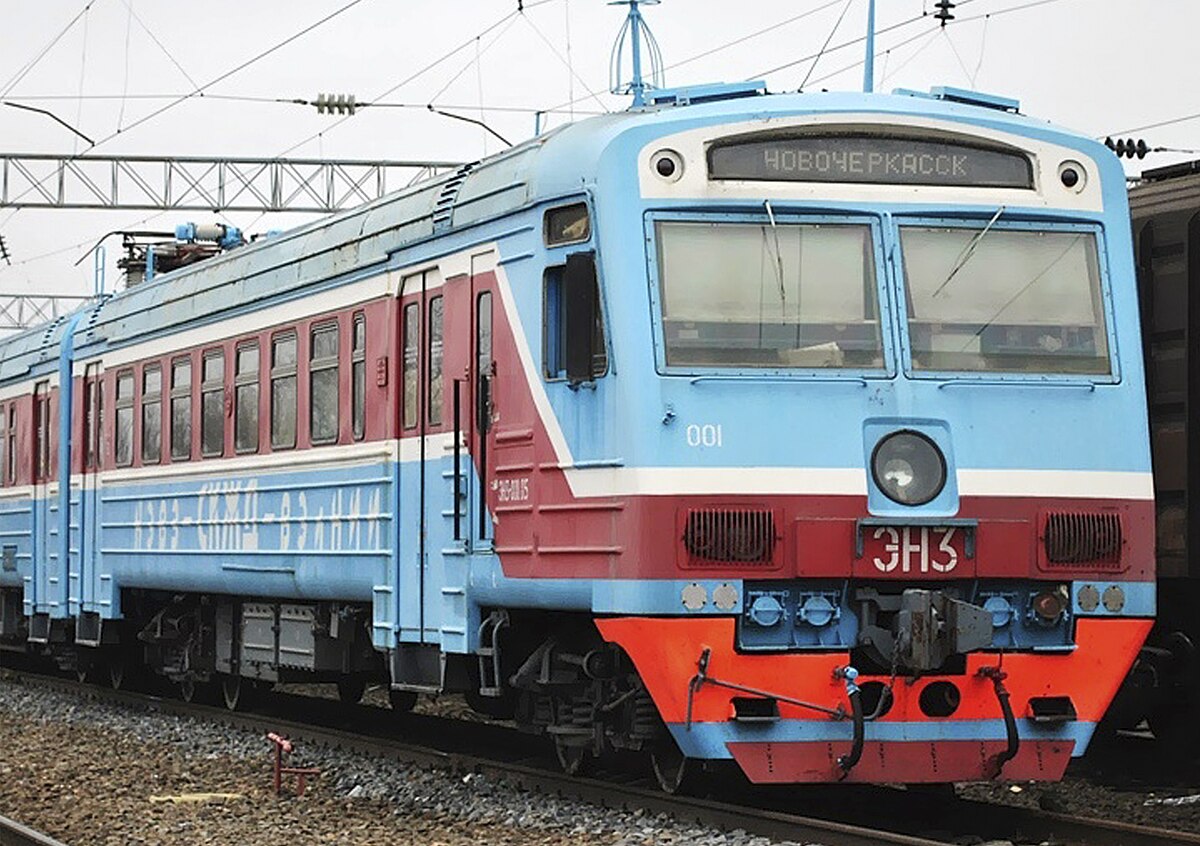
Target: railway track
[910,818]
[12,833]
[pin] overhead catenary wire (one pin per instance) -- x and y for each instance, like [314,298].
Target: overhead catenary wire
[198,90]
[957,23]
[769,30]
[295,101]
[125,77]
[376,101]
[82,80]
[424,69]
[564,60]
[845,44]
[828,38]
[1156,125]
[32,63]
[170,56]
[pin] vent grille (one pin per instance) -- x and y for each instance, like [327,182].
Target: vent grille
[1080,538]
[729,537]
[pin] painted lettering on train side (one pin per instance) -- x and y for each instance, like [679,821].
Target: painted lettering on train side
[235,516]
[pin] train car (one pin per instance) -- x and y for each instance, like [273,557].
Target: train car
[1165,686]
[802,433]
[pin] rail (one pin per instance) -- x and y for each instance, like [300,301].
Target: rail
[12,833]
[503,753]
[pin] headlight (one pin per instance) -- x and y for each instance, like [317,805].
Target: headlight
[909,468]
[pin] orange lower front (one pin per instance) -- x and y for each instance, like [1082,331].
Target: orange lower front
[903,745]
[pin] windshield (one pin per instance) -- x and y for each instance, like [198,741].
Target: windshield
[764,295]
[1004,300]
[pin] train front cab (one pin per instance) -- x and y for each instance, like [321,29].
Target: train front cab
[898,439]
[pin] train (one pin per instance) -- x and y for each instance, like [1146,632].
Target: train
[802,435]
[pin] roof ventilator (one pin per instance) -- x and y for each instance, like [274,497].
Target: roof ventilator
[443,210]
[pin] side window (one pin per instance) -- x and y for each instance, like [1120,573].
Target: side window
[435,350]
[181,409]
[92,422]
[212,404]
[554,328]
[41,409]
[151,414]
[245,426]
[3,445]
[283,391]
[412,370]
[11,469]
[123,436]
[358,381]
[483,347]
[567,225]
[323,384]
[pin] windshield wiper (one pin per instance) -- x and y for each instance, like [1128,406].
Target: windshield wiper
[968,251]
[778,254]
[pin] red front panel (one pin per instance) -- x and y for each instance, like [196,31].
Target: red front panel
[901,761]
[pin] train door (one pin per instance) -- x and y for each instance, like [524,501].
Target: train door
[482,379]
[46,580]
[89,532]
[423,420]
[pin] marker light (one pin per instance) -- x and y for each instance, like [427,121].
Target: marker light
[909,468]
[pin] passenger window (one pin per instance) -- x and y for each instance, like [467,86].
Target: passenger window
[323,384]
[123,439]
[435,361]
[181,409]
[212,404]
[41,410]
[554,328]
[3,445]
[151,414]
[412,373]
[12,444]
[92,426]
[358,381]
[245,426]
[283,391]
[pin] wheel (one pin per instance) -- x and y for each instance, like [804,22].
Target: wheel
[675,772]
[574,759]
[351,689]
[231,692]
[187,689]
[402,701]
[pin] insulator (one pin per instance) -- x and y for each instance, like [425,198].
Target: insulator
[943,12]
[336,104]
[1128,148]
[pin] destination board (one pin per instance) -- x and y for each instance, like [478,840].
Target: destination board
[869,159]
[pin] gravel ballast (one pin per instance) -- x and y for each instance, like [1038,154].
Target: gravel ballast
[84,772]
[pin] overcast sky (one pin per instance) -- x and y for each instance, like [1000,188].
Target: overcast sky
[1100,66]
